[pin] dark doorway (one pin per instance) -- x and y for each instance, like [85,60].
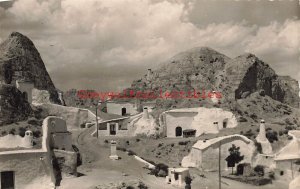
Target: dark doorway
[112,129]
[176,176]
[225,123]
[7,180]
[123,111]
[25,96]
[178,131]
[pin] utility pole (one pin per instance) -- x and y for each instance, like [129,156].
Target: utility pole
[220,165]
[97,120]
[97,126]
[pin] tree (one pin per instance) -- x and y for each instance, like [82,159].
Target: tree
[234,156]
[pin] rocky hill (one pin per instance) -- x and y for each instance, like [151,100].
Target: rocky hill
[20,60]
[205,68]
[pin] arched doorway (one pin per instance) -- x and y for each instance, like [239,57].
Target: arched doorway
[25,96]
[123,111]
[178,131]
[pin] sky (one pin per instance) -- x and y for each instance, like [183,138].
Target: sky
[106,44]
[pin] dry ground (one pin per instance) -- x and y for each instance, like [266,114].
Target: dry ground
[98,169]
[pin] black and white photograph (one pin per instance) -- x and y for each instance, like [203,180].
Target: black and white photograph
[149,94]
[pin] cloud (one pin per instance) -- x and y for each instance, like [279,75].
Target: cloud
[106,44]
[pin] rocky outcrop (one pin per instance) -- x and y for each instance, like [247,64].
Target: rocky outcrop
[205,68]
[20,60]
[13,106]
[247,74]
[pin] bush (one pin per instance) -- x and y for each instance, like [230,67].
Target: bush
[183,142]
[137,140]
[106,141]
[272,175]
[37,133]
[272,136]
[121,149]
[141,185]
[33,122]
[131,153]
[12,131]
[127,142]
[160,145]
[281,133]
[22,131]
[259,169]
[160,170]
[3,133]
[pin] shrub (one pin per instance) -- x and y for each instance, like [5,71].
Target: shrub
[12,131]
[272,175]
[33,122]
[141,185]
[131,153]
[281,133]
[127,142]
[37,133]
[259,169]
[272,136]
[290,137]
[121,149]
[22,131]
[3,133]
[183,142]
[137,140]
[160,170]
[160,145]
[106,141]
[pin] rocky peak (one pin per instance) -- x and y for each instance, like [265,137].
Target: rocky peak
[20,60]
